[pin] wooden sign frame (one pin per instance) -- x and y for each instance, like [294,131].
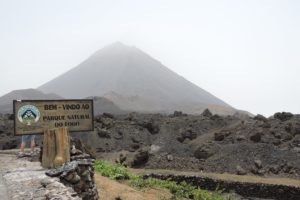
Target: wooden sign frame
[43,114]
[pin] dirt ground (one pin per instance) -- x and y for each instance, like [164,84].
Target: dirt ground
[111,190]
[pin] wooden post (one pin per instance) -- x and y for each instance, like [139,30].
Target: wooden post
[56,147]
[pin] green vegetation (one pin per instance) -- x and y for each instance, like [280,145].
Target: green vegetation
[116,172]
[181,190]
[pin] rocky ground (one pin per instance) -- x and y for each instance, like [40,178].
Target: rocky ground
[7,140]
[233,144]
[251,145]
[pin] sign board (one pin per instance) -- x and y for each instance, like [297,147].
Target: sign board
[36,116]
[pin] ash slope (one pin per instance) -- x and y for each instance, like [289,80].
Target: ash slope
[135,82]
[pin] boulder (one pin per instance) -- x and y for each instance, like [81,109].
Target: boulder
[293,128]
[84,148]
[275,169]
[152,127]
[287,137]
[258,163]
[131,117]
[240,138]
[105,122]
[219,136]
[207,113]
[265,125]
[216,117]
[187,134]
[154,149]
[277,134]
[260,118]
[134,147]
[104,133]
[170,157]
[178,114]
[108,115]
[283,116]
[122,158]
[255,137]
[190,134]
[12,144]
[139,158]
[119,135]
[204,152]
[240,170]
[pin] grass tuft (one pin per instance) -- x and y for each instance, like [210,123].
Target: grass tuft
[116,172]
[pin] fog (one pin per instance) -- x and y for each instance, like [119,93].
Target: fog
[244,52]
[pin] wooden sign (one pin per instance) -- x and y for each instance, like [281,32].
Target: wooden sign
[37,116]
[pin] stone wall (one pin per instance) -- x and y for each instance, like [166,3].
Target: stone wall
[78,173]
[245,189]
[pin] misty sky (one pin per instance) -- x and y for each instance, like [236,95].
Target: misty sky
[245,52]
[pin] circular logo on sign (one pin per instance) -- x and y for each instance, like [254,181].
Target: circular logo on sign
[28,114]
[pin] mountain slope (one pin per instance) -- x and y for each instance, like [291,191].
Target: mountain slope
[134,81]
[7,99]
[103,105]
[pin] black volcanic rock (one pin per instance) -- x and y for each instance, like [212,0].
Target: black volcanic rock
[283,116]
[260,118]
[207,113]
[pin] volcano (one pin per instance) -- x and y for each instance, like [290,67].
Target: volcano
[135,82]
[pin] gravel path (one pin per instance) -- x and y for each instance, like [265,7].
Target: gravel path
[24,180]
[3,189]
